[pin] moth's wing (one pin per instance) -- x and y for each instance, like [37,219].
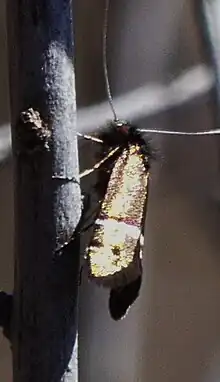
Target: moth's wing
[112,257]
[121,299]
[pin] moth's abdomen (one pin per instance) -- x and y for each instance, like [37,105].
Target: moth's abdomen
[114,255]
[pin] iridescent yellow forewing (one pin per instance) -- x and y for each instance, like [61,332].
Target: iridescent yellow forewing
[115,250]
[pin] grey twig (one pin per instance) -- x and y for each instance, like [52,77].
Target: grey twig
[47,212]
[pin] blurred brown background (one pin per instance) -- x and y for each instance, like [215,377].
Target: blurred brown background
[172,333]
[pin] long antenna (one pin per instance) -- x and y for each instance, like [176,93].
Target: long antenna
[192,133]
[104,55]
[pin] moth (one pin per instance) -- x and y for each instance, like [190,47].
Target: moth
[115,251]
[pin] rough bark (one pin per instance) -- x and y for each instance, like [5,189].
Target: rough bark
[47,197]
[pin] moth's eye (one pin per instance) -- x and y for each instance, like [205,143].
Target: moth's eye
[125,129]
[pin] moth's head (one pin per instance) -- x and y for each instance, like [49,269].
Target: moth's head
[122,133]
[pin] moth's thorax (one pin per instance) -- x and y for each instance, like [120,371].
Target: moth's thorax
[121,134]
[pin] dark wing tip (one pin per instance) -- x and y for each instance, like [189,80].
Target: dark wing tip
[121,299]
